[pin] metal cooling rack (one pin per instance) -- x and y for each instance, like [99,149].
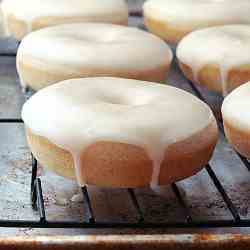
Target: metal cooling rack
[37,199]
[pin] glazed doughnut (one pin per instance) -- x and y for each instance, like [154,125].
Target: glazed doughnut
[22,17]
[236,118]
[217,57]
[173,19]
[117,132]
[81,50]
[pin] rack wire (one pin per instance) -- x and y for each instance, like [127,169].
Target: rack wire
[37,199]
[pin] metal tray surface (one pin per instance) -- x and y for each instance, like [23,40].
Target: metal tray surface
[199,192]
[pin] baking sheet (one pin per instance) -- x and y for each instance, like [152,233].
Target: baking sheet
[169,242]
[199,192]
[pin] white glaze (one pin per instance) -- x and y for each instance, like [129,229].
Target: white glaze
[77,113]
[235,108]
[80,46]
[198,13]
[226,46]
[92,10]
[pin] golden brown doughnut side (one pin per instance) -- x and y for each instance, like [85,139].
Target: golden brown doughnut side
[18,28]
[171,34]
[238,76]
[210,76]
[111,164]
[174,33]
[38,78]
[189,156]
[239,139]
[49,21]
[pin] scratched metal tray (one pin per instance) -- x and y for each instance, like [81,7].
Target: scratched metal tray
[214,201]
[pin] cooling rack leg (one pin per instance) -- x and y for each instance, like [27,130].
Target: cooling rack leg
[88,205]
[33,195]
[223,193]
[40,201]
[182,202]
[136,205]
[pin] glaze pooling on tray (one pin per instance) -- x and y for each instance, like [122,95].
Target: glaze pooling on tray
[199,13]
[75,114]
[225,46]
[29,11]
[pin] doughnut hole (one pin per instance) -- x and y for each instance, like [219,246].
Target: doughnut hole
[210,76]
[123,98]
[112,164]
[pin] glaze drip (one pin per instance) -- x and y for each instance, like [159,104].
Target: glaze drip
[77,113]
[227,47]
